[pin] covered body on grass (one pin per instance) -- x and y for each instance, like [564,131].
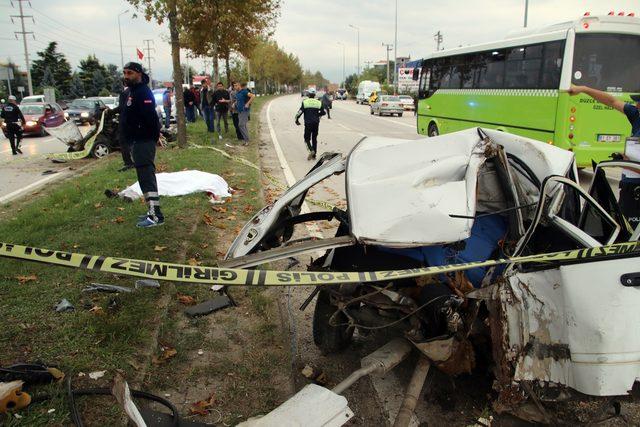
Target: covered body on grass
[473,195]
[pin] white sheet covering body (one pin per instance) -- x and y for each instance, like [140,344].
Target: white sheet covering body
[181,183]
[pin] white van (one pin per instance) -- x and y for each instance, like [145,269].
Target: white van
[33,98]
[364,91]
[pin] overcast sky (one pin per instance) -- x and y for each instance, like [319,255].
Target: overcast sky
[311,29]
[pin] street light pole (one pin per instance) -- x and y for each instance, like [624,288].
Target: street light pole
[343,53]
[395,56]
[358,30]
[526,12]
[120,34]
[387,48]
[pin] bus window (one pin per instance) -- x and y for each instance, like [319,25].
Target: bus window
[523,67]
[607,62]
[491,70]
[552,65]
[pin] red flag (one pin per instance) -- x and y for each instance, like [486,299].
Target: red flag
[140,54]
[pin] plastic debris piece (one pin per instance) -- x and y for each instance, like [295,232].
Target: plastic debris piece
[12,397]
[64,305]
[106,288]
[51,411]
[147,283]
[208,307]
[200,352]
[97,374]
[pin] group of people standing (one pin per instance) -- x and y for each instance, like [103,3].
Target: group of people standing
[218,103]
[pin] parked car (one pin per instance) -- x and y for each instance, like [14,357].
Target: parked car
[86,110]
[40,115]
[547,332]
[387,104]
[32,98]
[342,94]
[110,101]
[407,103]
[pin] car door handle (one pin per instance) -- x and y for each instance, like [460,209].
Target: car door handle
[630,279]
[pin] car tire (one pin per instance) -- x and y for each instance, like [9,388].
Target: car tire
[372,111]
[433,130]
[100,150]
[399,114]
[329,339]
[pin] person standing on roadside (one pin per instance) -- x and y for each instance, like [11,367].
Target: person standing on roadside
[125,144]
[189,101]
[244,98]
[166,105]
[312,110]
[326,103]
[140,125]
[235,87]
[15,120]
[629,199]
[207,108]
[221,99]
[197,103]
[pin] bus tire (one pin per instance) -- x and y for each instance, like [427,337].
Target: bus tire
[399,114]
[433,130]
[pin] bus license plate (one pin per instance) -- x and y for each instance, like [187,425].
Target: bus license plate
[608,138]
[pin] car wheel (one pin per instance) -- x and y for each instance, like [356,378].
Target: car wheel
[329,339]
[100,149]
[372,111]
[433,130]
[399,114]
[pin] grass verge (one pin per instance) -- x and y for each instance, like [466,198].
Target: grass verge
[110,332]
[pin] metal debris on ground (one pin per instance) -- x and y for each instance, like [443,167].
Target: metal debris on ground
[209,306]
[64,305]
[106,288]
[316,375]
[147,283]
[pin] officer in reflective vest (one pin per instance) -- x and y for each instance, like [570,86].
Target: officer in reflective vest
[14,121]
[312,110]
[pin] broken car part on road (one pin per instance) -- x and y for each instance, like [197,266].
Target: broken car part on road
[473,197]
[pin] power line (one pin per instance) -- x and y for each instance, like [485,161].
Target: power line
[24,33]
[67,39]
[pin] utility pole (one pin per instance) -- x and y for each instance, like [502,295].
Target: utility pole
[526,12]
[148,48]
[367,64]
[120,34]
[358,30]
[438,38]
[343,54]
[395,55]
[24,40]
[388,48]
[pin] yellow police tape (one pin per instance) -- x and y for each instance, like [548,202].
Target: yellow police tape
[241,277]
[273,179]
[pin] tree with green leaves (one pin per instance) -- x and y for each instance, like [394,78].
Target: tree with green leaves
[58,66]
[47,79]
[114,79]
[89,77]
[76,88]
[98,83]
[174,12]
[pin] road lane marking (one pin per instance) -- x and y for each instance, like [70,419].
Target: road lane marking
[352,130]
[368,114]
[288,173]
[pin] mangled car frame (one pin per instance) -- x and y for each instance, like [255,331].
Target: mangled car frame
[554,332]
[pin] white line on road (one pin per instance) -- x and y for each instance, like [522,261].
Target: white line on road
[352,130]
[288,173]
[367,114]
[31,186]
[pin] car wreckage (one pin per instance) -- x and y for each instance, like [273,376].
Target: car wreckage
[554,332]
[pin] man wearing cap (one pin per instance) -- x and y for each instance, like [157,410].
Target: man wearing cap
[630,183]
[141,127]
[14,119]
[312,110]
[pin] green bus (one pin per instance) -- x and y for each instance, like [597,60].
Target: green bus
[519,85]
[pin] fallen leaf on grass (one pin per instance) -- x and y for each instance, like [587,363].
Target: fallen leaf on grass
[98,205]
[208,219]
[186,299]
[25,279]
[159,248]
[120,208]
[219,209]
[202,406]
[97,310]
[167,352]
[118,219]
[193,262]
[231,218]
[204,245]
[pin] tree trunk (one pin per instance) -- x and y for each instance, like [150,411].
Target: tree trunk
[177,73]
[227,68]
[216,66]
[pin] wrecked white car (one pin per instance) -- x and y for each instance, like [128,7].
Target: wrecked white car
[554,332]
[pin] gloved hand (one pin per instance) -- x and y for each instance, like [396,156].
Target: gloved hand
[297,122]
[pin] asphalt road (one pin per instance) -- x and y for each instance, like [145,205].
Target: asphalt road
[25,171]
[375,399]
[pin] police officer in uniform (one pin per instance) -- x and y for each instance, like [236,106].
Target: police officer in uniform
[14,119]
[141,127]
[630,183]
[312,110]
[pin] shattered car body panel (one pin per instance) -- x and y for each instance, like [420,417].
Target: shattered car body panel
[552,326]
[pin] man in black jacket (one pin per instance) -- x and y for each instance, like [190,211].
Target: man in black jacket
[125,146]
[140,126]
[15,120]
[189,105]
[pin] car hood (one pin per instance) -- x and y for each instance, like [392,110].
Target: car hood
[33,117]
[79,110]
